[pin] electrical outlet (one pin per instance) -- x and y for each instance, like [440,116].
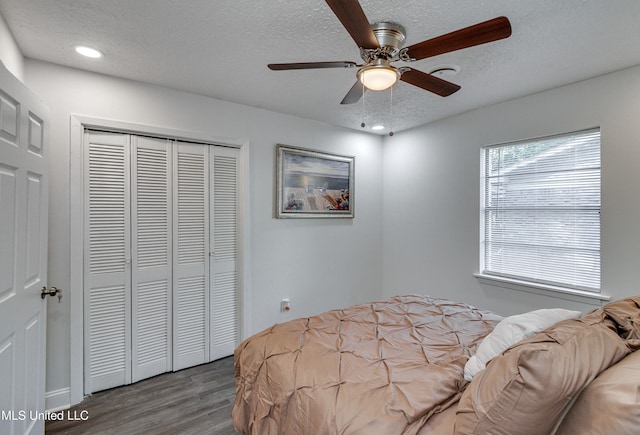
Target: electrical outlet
[285,305]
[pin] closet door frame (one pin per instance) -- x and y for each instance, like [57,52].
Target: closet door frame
[78,124]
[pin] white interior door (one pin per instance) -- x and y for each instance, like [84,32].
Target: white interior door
[224,246]
[152,263]
[190,255]
[23,256]
[161,253]
[107,268]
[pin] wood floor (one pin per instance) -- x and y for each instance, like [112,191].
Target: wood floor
[192,401]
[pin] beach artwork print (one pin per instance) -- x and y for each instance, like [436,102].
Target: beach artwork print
[314,184]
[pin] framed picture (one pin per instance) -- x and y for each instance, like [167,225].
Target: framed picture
[313,184]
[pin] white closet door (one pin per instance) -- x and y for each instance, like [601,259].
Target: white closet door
[151,274]
[190,255]
[107,261]
[161,253]
[224,245]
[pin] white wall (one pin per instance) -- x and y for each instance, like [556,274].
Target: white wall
[432,190]
[10,54]
[319,264]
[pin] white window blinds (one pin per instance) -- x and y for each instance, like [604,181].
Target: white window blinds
[541,211]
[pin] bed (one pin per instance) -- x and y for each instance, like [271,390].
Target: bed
[398,366]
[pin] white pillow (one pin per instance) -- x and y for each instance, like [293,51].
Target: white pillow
[510,331]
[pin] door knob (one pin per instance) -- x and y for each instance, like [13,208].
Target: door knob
[51,292]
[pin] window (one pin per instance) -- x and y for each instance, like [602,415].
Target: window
[540,211]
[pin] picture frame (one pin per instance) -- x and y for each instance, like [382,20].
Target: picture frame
[313,184]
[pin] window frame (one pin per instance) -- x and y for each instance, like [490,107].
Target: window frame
[530,283]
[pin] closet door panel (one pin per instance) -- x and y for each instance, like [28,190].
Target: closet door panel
[152,259]
[190,256]
[107,261]
[224,245]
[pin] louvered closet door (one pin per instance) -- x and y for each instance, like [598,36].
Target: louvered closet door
[151,276]
[224,246]
[107,261]
[190,255]
[161,250]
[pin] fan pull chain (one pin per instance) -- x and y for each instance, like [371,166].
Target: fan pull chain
[391,110]
[362,124]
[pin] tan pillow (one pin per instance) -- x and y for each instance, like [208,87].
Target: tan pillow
[625,313]
[610,404]
[529,387]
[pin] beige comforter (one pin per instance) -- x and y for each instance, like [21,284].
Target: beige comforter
[378,368]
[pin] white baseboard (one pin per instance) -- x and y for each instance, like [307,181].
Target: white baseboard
[57,400]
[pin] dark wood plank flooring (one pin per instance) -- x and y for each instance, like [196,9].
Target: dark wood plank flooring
[197,400]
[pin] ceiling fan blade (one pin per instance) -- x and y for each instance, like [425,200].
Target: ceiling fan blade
[481,33]
[428,82]
[352,17]
[310,65]
[354,94]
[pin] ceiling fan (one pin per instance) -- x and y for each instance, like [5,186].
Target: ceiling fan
[381,44]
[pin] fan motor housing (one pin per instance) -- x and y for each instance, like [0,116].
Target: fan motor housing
[388,34]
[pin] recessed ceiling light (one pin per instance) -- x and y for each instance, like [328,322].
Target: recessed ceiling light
[377,127]
[89,52]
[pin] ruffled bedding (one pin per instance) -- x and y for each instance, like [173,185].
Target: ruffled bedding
[384,367]
[396,366]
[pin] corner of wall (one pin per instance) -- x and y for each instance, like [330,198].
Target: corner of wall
[10,54]
[57,400]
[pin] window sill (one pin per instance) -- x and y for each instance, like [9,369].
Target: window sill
[543,289]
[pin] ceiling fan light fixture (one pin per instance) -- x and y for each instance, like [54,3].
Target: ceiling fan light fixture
[379,76]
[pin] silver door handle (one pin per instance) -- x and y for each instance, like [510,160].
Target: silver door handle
[51,292]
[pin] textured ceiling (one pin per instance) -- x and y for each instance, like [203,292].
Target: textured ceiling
[220,48]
